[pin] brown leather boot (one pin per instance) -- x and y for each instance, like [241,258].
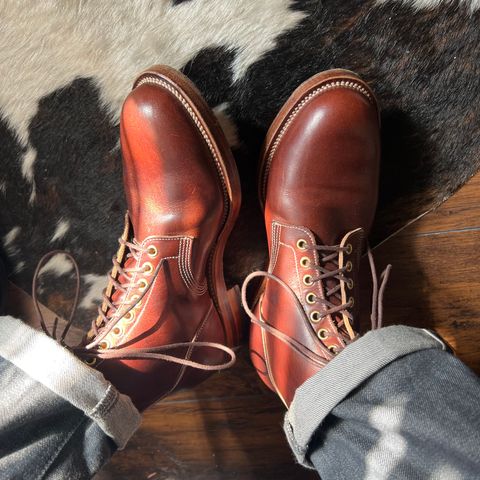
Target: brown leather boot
[318,186]
[167,320]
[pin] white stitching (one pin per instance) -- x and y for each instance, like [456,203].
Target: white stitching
[198,288]
[274,255]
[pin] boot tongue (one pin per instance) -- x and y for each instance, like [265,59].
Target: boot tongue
[355,238]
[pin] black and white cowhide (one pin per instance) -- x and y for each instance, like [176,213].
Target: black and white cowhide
[65,68]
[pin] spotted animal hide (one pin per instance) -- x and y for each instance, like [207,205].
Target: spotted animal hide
[66,66]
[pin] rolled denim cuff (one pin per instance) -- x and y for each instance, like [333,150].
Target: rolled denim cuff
[47,362]
[316,398]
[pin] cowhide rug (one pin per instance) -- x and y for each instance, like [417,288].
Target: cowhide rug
[66,66]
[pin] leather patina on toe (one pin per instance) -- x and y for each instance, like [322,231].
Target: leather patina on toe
[318,185]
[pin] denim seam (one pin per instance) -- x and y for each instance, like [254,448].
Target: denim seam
[296,446]
[103,408]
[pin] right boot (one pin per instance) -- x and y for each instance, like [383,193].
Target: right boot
[167,320]
[318,186]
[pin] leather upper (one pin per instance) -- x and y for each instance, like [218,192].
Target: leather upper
[176,204]
[321,178]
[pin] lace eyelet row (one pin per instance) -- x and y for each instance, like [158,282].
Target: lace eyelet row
[315,316]
[310,297]
[119,329]
[129,317]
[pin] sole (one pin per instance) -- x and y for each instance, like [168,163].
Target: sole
[227,302]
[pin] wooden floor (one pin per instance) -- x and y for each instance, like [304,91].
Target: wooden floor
[230,427]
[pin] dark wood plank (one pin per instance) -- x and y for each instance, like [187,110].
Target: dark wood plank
[434,284]
[228,434]
[459,212]
[435,280]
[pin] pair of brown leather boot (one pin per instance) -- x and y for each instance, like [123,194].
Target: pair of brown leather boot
[167,320]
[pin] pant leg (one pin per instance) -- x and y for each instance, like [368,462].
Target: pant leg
[59,418]
[401,408]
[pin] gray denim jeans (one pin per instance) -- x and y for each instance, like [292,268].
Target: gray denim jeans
[391,405]
[59,419]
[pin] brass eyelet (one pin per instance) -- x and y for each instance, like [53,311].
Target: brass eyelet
[147,268]
[311,298]
[135,300]
[305,262]
[348,249]
[142,284]
[351,301]
[307,280]
[117,331]
[152,251]
[90,361]
[302,244]
[129,317]
[333,349]
[103,345]
[315,316]
[322,333]
[350,284]
[349,266]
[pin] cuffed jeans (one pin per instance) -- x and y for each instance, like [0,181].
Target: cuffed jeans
[59,419]
[392,405]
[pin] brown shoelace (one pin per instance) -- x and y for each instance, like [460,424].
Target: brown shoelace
[109,314]
[376,316]
[329,255]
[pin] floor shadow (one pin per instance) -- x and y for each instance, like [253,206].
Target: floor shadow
[253,424]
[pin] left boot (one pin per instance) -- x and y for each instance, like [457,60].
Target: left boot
[318,187]
[167,320]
